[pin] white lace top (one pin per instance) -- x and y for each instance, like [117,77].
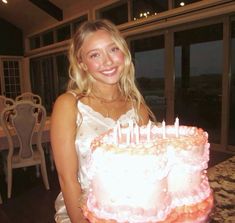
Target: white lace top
[92,124]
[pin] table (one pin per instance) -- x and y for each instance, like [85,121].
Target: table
[45,135]
[222,182]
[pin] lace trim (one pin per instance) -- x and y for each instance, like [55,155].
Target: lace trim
[129,114]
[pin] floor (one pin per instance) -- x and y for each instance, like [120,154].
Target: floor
[32,203]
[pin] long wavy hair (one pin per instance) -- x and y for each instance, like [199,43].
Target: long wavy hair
[81,82]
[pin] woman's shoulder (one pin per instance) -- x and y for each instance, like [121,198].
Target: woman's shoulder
[66,101]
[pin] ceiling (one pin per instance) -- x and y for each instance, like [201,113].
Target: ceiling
[27,14]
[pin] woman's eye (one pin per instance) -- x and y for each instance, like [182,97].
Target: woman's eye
[114,49]
[94,55]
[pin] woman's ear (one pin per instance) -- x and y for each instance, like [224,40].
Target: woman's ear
[83,66]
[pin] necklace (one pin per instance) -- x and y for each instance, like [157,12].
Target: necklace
[107,110]
[106,101]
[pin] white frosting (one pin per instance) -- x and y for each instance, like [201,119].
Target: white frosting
[142,179]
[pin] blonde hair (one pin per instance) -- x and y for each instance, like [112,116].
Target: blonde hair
[82,83]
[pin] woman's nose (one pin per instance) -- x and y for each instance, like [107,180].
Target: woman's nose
[107,59]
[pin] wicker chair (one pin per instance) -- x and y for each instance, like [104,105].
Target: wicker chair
[25,121]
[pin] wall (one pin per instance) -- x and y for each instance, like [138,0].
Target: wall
[11,39]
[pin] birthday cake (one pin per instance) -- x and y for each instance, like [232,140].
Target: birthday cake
[149,174]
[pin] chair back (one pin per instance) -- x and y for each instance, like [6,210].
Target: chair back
[29,96]
[25,120]
[5,102]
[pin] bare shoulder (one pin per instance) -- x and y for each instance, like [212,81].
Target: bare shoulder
[65,99]
[65,107]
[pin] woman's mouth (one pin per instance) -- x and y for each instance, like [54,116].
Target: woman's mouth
[109,72]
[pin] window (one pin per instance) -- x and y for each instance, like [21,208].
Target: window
[78,22]
[47,38]
[49,77]
[117,13]
[11,77]
[35,42]
[198,78]
[181,3]
[148,56]
[145,8]
[63,33]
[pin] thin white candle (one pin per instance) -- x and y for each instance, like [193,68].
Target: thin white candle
[131,129]
[115,136]
[119,130]
[163,129]
[128,135]
[137,134]
[177,127]
[148,131]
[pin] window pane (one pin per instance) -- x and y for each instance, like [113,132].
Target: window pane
[62,71]
[232,89]
[34,42]
[47,38]
[63,33]
[11,74]
[146,8]
[78,22]
[198,78]
[148,56]
[117,13]
[180,3]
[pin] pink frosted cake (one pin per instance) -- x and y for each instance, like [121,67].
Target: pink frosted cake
[149,174]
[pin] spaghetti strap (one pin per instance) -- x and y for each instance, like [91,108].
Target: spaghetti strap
[75,94]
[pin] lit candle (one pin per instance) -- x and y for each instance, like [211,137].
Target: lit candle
[137,133]
[115,137]
[177,127]
[131,128]
[148,131]
[128,135]
[119,130]
[163,129]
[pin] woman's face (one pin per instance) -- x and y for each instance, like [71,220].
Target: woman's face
[102,58]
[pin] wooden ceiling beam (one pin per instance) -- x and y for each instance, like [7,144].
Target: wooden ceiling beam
[49,8]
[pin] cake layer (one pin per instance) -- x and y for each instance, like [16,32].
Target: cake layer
[143,174]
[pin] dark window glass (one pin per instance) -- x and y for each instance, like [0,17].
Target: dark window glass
[180,3]
[47,38]
[78,22]
[34,42]
[63,33]
[198,78]
[145,8]
[11,74]
[117,13]
[148,57]
[62,64]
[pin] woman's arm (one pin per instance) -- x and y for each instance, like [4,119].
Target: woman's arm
[63,133]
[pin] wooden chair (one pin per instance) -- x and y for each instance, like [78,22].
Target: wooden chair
[30,97]
[24,120]
[5,102]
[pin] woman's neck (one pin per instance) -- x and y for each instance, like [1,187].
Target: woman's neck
[107,94]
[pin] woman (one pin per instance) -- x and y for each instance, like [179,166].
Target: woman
[101,91]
